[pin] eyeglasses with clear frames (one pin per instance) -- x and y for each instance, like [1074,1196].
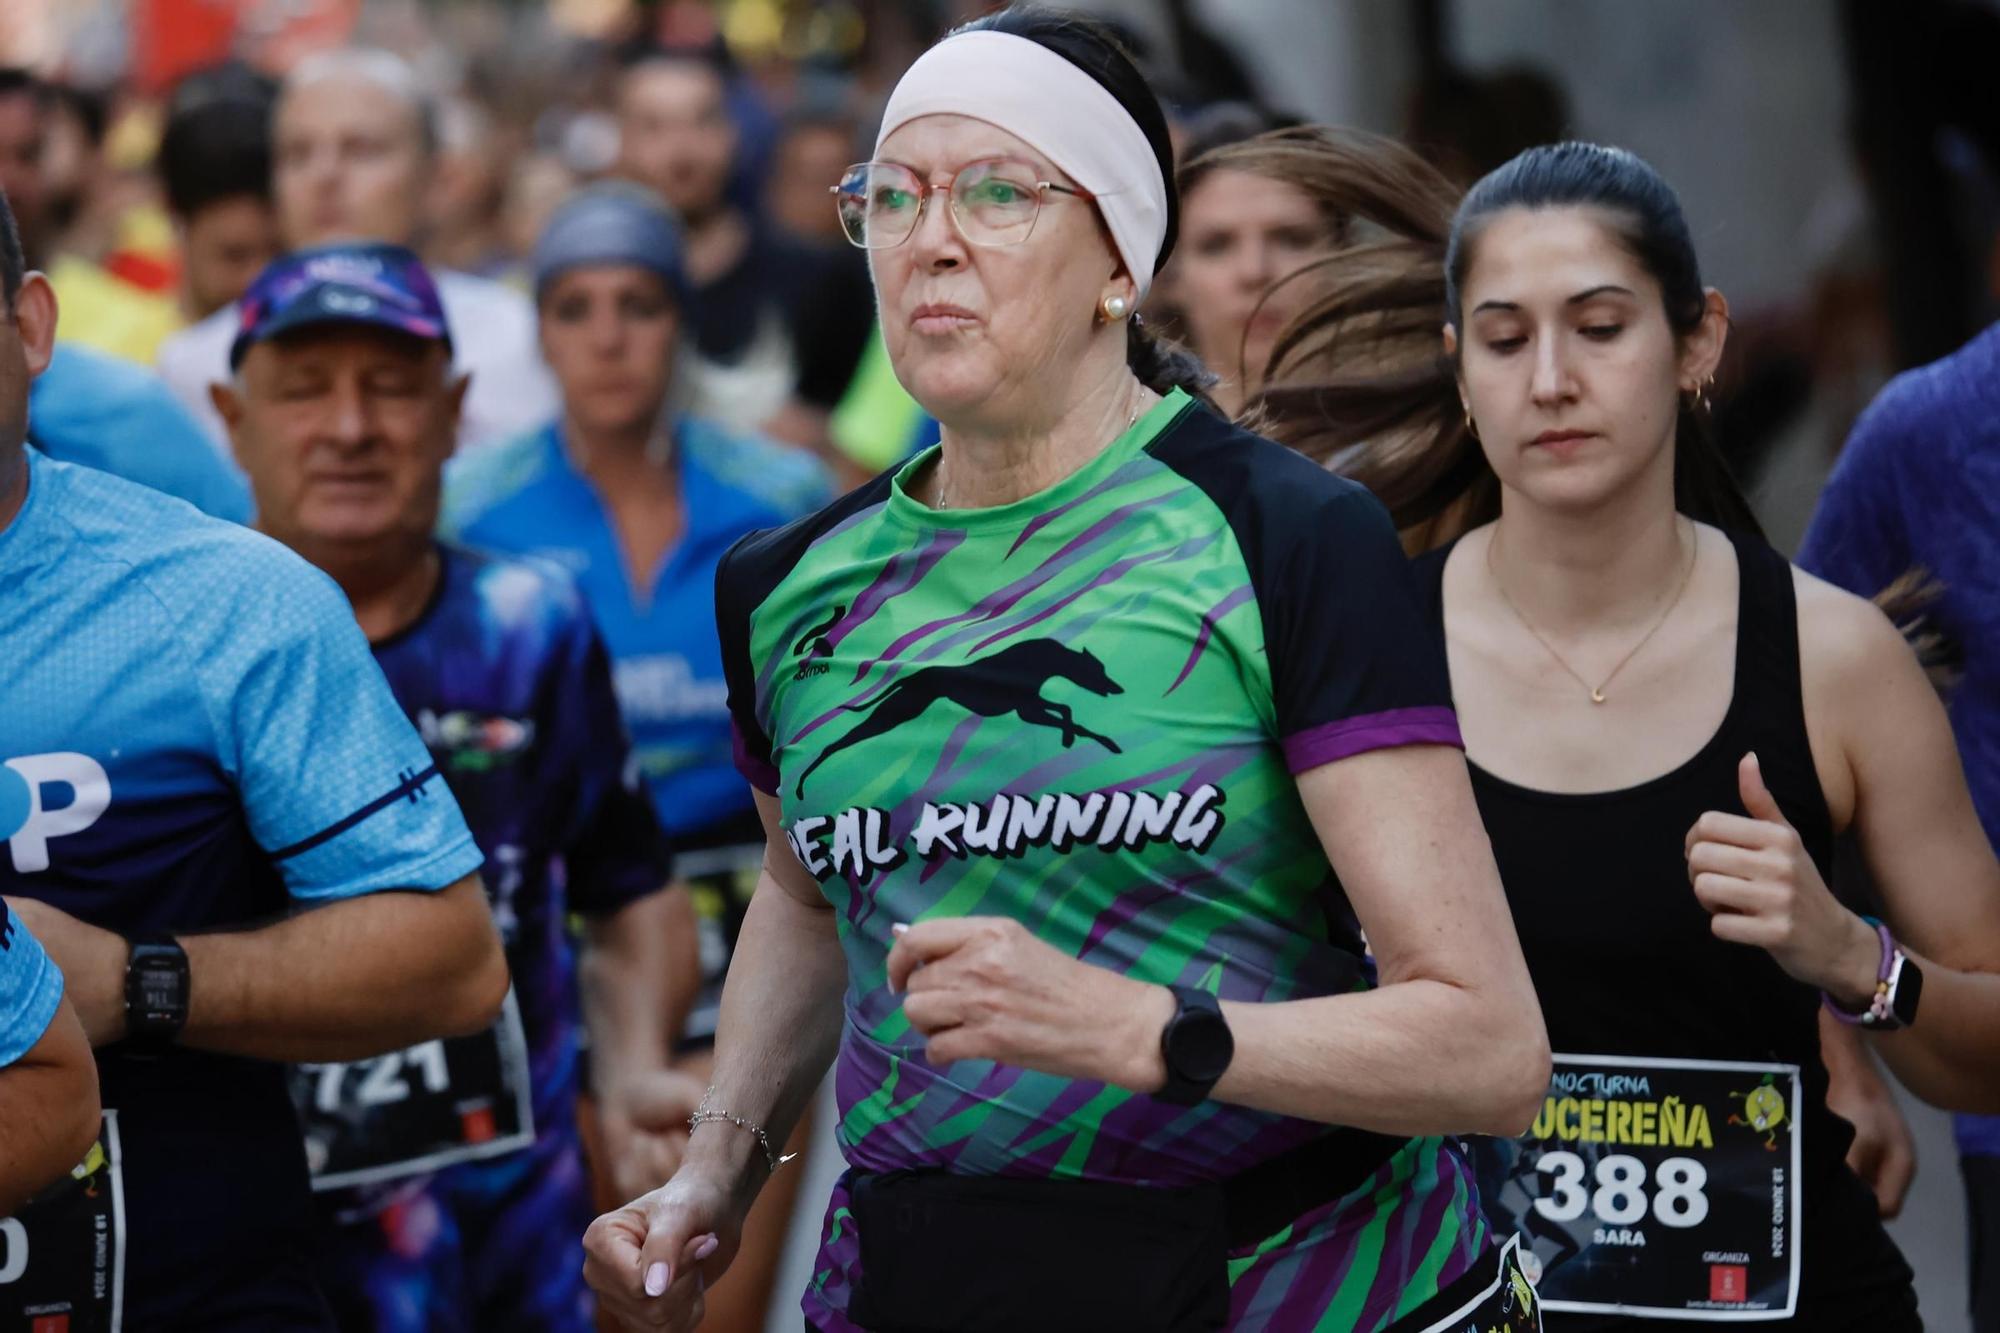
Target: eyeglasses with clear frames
[994,202]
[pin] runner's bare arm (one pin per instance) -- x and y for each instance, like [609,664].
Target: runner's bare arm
[1923,843]
[781,1009]
[1452,1039]
[355,978]
[1884,1152]
[48,1102]
[779,1027]
[640,974]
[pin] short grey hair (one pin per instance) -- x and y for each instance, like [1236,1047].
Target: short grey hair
[385,69]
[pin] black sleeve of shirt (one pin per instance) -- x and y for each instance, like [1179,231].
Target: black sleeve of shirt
[833,316]
[621,854]
[744,578]
[1352,665]
[740,586]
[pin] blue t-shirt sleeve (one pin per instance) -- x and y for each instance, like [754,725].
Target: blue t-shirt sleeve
[30,989]
[1859,538]
[614,848]
[336,784]
[109,414]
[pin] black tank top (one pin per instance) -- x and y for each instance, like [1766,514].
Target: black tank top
[1625,963]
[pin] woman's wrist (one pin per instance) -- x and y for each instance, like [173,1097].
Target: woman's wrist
[1855,973]
[729,1157]
[1132,1055]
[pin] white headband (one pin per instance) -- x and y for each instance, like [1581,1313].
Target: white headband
[1070,118]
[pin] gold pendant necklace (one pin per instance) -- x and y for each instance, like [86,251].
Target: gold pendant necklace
[1597,695]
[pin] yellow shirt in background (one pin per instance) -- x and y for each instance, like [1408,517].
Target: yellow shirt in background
[103,311]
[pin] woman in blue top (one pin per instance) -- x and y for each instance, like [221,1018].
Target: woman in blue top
[639,501]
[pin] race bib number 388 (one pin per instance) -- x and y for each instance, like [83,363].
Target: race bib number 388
[1656,1187]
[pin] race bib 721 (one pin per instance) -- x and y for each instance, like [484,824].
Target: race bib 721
[434,1105]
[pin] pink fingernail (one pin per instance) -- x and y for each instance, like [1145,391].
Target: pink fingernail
[657,1278]
[900,928]
[706,1248]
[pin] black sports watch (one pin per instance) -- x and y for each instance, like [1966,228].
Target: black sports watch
[156,993]
[1196,1045]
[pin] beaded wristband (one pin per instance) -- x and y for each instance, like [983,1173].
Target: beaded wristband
[702,1116]
[1878,1011]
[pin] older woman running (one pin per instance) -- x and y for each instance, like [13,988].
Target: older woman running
[1088,743]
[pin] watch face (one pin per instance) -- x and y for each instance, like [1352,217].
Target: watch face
[1909,986]
[160,988]
[1201,1047]
[156,990]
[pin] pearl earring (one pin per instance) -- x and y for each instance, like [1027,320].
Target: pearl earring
[1115,308]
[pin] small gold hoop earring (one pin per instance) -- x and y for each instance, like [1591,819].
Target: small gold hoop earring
[1114,308]
[1470,429]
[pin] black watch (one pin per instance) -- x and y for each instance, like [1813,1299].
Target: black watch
[1197,1047]
[156,992]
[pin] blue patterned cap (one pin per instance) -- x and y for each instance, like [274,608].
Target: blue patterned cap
[382,285]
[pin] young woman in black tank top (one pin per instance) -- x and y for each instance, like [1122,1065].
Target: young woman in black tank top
[1667,726]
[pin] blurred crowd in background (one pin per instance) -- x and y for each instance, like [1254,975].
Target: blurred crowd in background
[1838,160]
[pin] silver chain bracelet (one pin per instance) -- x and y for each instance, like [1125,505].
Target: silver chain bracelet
[702,1116]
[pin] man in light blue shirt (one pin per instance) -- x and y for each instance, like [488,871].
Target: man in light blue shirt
[196,746]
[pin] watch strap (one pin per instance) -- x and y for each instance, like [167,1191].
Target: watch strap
[1879,1013]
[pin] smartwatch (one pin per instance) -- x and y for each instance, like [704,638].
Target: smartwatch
[156,993]
[1906,986]
[1196,1045]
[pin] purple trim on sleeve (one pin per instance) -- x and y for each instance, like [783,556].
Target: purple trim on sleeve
[760,772]
[1371,731]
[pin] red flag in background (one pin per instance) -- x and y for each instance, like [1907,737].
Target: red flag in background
[171,38]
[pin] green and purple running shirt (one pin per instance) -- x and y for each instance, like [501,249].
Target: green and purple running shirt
[1085,711]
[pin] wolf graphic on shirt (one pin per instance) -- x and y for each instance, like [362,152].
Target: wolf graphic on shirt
[1009,681]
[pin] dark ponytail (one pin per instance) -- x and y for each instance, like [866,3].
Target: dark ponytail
[1096,50]
[1393,422]
[1163,365]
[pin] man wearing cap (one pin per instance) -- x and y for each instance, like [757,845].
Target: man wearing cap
[196,749]
[452,1186]
[353,143]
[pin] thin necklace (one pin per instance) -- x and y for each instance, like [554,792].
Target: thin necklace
[943,494]
[1597,695]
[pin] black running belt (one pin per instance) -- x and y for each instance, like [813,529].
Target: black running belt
[1269,1196]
